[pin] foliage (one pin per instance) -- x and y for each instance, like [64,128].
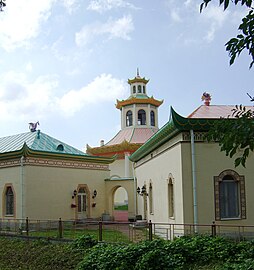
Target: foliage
[235,136]
[245,40]
[40,255]
[84,242]
[188,252]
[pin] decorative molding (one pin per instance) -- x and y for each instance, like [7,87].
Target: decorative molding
[238,178]
[54,163]
[198,136]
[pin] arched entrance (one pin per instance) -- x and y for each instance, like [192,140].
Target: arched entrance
[120,203]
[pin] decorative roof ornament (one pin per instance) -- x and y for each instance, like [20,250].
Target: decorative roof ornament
[138,72]
[207,98]
[2,5]
[33,126]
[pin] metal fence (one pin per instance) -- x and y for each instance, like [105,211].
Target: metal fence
[108,231]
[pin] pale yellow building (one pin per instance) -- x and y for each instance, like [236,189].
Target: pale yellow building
[44,178]
[182,178]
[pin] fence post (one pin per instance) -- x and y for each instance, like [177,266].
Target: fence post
[60,228]
[213,229]
[27,226]
[100,231]
[150,228]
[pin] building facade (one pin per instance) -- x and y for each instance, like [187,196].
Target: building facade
[183,179]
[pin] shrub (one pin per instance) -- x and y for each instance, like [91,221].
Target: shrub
[84,242]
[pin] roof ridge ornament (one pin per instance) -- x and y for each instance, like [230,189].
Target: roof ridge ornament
[207,98]
[138,72]
[33,126]
[2,5]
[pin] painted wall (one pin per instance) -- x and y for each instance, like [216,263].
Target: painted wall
[157,168]
[47,191]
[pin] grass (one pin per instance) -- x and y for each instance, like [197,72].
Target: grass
[107,235]
[121,207]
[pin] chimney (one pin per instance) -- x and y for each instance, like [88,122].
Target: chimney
[102,143]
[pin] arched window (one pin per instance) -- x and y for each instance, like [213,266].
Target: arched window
[9,201]
[141,117]
[150,194]
[170,198]
[139,89]
[60,147]
[230,202]
[152,115]
[229,197]
[144,89]
[129,119]
[134,89]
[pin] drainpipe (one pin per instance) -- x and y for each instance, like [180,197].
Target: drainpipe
[22,187]
[194,181]
[135,189]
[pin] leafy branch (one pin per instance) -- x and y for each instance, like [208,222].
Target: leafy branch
[245,40]
[235,136]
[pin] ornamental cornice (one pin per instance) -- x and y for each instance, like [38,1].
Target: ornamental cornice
[134,100]
[30,161]
[118,149]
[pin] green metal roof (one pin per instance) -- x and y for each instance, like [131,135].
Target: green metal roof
[37,141]
[42,145]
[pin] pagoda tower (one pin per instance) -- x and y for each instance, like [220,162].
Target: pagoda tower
[139,121]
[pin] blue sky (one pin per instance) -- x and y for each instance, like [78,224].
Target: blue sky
[66,62]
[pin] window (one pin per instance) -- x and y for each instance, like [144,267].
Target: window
[82,200]
[141,117]
[170,198]
[144,89]
[150,194]
[9,201]
[230,202]
[60,147]
[134,89]
[139,88]
[152,118]
[129,118]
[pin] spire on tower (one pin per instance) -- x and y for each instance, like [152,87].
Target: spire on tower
[137,72]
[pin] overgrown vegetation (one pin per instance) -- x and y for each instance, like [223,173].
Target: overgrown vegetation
[199,252]
[39,255]
[188,252]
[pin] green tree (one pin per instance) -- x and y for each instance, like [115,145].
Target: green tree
[245,39]
[236,136]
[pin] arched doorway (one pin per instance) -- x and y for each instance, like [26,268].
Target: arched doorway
[120,204]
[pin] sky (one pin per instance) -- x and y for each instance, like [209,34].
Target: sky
[64,63]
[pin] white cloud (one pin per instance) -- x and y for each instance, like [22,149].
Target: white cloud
[71,5]
[21,99]
[175,16]
[216,17]
[21,21]
[105,5]
[120,28]
[102,88]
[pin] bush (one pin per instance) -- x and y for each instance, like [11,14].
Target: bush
[84,242]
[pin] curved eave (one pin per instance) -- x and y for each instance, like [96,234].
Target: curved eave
[142,80]
[28,152]
[114,149]
[159,138]
[133,100]
[198,124]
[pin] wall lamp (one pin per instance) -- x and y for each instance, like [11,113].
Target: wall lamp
[94,194]
[74,193]
[142,191]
